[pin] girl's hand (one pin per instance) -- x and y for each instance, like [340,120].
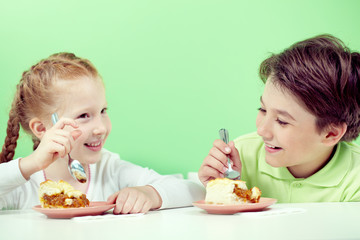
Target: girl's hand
[135,200]
[215,164]
[56,142]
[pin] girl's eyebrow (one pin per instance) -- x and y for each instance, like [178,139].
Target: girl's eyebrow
[280,112]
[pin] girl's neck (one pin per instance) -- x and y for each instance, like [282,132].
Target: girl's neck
[59,171]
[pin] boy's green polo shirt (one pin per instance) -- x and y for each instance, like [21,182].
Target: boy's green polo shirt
[338,181]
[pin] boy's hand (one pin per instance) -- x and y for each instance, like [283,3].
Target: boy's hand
[215,164]
[135,200]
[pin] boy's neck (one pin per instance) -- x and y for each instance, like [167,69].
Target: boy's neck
[309,169]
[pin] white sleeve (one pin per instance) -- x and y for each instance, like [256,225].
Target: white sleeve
[178,192]
[10,179]
[113,174]
[10,176]
[173,191]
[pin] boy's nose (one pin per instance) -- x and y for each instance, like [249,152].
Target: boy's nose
[264,129]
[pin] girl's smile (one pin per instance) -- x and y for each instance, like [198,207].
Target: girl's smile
[94,146]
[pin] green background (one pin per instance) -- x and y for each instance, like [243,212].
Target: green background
[175,71]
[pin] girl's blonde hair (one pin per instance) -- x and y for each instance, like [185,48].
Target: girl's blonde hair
[33,95]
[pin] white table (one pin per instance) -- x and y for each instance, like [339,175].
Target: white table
[281,221]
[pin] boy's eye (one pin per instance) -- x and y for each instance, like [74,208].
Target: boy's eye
[261,110]
[282,123]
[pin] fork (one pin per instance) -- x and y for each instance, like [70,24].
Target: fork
[75,168]
[230,173]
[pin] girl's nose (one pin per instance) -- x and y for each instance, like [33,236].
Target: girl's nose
[100,128]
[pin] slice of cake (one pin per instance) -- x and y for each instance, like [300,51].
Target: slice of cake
[61,195]
[227,191]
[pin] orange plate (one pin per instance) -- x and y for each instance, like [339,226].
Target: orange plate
[95,208]
[231,209]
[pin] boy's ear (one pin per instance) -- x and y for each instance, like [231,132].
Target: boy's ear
[334,133]
[37,127]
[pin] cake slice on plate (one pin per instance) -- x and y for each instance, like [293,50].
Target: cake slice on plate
[229,192]
[61,195]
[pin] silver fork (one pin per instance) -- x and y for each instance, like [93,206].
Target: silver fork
[75,168]
[230,173]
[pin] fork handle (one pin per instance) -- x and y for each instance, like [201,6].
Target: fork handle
[224,135]
[54,118]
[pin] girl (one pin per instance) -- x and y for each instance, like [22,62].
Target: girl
[309,112]
[72,88]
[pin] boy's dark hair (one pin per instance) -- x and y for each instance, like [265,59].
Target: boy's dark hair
[324,75]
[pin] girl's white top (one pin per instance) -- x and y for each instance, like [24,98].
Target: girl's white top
[107,176]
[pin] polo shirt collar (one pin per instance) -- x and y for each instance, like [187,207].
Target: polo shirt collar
[329,176]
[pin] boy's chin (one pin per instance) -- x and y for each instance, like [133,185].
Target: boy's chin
[273,163]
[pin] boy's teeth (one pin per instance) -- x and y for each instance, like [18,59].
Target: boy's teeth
[271,146]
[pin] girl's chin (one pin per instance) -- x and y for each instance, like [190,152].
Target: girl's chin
[90,159]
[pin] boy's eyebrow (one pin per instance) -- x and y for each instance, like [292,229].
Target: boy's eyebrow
[280,112]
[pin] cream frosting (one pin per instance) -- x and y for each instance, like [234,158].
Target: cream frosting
[50,187]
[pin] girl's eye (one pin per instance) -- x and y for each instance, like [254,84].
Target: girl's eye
[84,115]
[104,110]
[282,123]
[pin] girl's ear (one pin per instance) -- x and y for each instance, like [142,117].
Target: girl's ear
[37,127]
[334,133]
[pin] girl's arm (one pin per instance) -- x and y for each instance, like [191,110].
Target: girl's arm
[27,166]
[135,200]
[114,173]
[10,176]
[174,192]
[15,191]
